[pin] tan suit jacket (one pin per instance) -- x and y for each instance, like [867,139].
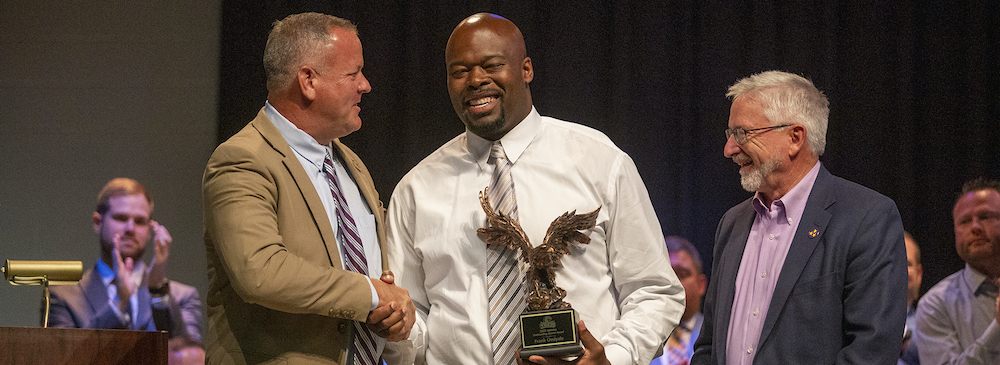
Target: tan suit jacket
[277,293]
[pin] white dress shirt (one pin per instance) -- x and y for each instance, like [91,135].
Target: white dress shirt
[311,155]
[621,283]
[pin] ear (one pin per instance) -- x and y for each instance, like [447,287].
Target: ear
[306,78]
[702,284]
[797,137]
[527,70]
[97,222]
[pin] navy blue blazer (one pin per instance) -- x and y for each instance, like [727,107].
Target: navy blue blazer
[841,295]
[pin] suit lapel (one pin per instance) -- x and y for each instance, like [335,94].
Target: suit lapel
[273,137]
[95,291]
[732,254]
[808,234]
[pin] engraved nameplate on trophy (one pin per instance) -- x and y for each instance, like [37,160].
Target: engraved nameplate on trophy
[548,327]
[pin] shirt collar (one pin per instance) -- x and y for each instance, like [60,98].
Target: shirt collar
[975,280]
[108,275]
[514,142]
[300,142]
[792,203]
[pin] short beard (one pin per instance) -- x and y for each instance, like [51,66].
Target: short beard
[490,128]
[753,179]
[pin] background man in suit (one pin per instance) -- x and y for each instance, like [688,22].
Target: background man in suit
[812,268]
[120,292]
[958,320]
[293,225]
[620,283]
[686,262]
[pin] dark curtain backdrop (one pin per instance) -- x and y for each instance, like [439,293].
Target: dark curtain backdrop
[913,89]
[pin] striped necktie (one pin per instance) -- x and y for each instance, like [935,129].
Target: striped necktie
[677,346]
[505,278]
[366,346]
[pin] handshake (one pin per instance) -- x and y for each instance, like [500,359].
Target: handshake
[395,314]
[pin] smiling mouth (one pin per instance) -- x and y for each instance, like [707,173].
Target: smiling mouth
[481,102]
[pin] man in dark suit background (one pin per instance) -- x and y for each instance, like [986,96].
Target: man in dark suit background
[812,268]
[120,292]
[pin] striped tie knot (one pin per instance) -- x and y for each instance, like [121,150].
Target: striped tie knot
[501,188]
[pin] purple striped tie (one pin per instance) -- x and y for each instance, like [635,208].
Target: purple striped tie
[365,345]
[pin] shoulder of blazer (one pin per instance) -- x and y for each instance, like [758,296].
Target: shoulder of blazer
[265,127]
[830,189]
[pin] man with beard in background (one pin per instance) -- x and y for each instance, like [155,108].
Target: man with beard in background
[120,292]
[958,320]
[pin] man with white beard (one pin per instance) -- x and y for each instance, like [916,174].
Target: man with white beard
[812,268]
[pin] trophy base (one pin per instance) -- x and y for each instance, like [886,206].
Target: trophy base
[551,333]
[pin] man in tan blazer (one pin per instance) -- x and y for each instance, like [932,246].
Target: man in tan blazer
[282,288]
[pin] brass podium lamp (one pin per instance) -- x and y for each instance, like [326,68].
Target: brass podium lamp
[44,273]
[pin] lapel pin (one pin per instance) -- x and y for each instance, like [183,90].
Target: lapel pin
[813,233]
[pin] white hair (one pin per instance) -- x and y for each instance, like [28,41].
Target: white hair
[788,98]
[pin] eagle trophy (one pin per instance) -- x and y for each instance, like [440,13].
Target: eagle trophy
[542,260]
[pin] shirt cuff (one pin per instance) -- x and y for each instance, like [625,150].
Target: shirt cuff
[617,355]
[374,296]
[159,302]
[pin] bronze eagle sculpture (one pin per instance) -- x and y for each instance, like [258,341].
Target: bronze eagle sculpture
[542,260]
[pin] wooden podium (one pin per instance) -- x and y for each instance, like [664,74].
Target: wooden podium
[20,345]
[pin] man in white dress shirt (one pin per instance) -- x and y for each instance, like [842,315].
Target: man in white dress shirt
[621,283]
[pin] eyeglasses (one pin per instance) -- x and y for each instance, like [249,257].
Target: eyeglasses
[741,134]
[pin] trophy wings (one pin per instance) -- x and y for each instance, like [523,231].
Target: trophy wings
[501,229]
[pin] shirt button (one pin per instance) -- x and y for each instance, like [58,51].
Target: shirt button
[789,221]
[756,312]
[763,274]
[750,350]
[770,236]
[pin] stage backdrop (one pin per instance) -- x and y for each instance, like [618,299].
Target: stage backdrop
[913,88]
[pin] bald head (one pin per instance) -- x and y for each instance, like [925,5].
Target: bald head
[504,29]
[488,75]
